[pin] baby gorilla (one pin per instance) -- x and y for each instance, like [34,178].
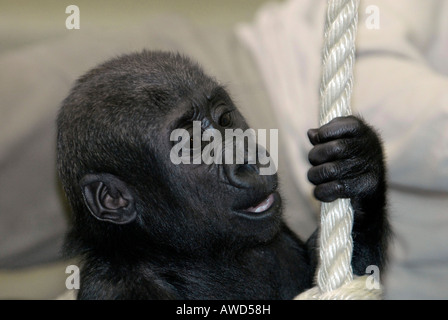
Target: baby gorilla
[150,229]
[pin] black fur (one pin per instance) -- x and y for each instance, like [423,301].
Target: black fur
[149,229]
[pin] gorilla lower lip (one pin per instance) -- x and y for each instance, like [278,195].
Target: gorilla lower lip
[262,206]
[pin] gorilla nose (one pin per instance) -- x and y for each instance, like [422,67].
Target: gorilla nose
[242,175]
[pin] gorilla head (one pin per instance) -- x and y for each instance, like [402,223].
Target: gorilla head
[127,197]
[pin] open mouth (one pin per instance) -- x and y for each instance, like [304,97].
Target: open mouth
[266,207]
[263,206]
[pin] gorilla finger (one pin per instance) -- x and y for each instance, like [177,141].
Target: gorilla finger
[330,191]
[340,127]
[336,170]
[329,151]
[323,173]
[313,136]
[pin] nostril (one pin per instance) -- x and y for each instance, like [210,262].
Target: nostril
[242,175]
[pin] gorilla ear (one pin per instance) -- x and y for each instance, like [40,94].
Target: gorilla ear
[108,198]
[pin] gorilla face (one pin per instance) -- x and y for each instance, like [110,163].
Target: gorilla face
[231,199]
[114,160]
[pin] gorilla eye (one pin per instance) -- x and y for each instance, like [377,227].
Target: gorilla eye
[226,119]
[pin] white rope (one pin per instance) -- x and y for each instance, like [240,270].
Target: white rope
[354,290]
[334,274]
[335,248]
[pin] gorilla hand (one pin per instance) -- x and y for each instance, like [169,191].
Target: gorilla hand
[348,162]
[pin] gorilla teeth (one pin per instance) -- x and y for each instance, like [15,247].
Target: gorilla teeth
[262,206]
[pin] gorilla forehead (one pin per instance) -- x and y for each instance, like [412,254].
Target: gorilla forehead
[153,79]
